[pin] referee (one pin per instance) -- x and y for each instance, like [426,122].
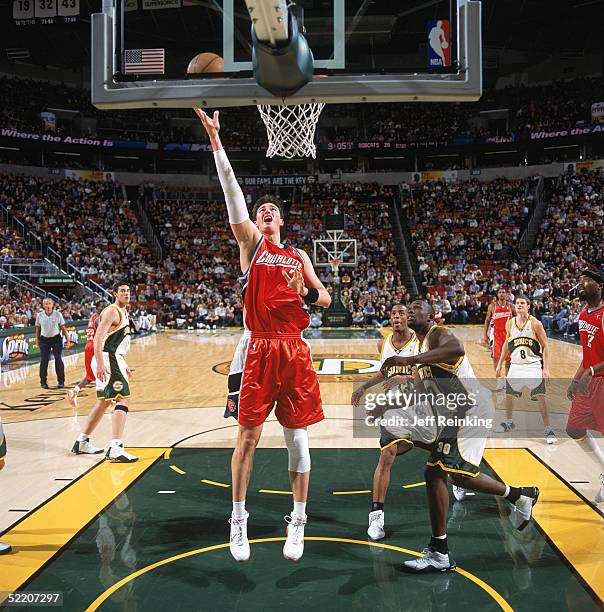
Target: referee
[49,325]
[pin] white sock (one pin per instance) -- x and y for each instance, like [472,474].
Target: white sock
[443,537]
[77,389]
[507,491]
[590,446]
[299,509]
[239,509]
[82,437]
[116,442]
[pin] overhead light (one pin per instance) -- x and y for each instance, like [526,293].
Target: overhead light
[10,148]
[66,153]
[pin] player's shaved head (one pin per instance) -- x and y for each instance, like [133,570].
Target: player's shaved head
[421,315]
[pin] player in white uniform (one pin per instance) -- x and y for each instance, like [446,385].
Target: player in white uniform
[526,341]
[401,342]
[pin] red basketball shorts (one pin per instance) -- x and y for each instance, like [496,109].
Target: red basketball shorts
[587,411]
[498,342]
[88,355]
[278,370]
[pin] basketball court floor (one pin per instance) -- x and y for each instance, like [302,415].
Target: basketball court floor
[153,534]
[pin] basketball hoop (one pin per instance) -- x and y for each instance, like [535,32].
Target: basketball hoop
[291,129]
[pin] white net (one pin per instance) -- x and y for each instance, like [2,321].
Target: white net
[291,129]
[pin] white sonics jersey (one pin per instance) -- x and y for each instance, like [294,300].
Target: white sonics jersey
[389,350]
[523,346]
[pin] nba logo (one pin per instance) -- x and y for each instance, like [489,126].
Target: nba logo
[439,43]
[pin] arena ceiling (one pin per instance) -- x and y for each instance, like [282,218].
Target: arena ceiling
[517,33]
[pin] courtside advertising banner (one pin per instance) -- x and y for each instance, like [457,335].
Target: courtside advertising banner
[439,43]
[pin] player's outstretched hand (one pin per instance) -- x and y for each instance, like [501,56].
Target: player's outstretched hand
[295,280]
[212,125]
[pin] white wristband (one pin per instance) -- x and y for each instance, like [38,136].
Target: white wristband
[591,369]
[235,200]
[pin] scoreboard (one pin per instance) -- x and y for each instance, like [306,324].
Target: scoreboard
[32,12]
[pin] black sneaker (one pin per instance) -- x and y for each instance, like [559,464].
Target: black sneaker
[506,427]
[61,386]
[44,385]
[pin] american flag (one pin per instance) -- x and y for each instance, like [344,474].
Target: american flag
[144,61]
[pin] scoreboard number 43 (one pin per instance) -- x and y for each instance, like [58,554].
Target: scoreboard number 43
[28,9]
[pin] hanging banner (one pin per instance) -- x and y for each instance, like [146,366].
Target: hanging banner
[151,5]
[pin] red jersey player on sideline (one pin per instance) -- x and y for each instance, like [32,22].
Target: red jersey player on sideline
[276,365]
[89,377]
[586,391]
[499,311]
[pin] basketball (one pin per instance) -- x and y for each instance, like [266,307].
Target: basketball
[206,62]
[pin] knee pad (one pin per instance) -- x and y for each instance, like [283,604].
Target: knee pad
[121,407]
[296,441]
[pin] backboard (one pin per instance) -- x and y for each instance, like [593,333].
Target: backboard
[364,51]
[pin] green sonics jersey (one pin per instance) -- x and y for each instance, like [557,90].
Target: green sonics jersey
[523,346]
[118,340]
[446,379]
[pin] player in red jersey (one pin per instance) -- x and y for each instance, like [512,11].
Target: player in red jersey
[499,311]
[276,362]
[586,391]
[72,394]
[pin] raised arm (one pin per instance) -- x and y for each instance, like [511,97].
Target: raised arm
[245,232]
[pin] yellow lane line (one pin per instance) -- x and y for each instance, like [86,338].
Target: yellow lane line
[275,492]
[177,469]
[572,525]
[415,484]
[216,484]
[350,492]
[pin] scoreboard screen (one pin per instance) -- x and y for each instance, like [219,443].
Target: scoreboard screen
[44,11]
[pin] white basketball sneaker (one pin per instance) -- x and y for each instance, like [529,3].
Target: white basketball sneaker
[550,436]
[238,543]
[293,549]
[459,493]
[431,561]
[117,454]
[600,494]
[85,447]
[376,525]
